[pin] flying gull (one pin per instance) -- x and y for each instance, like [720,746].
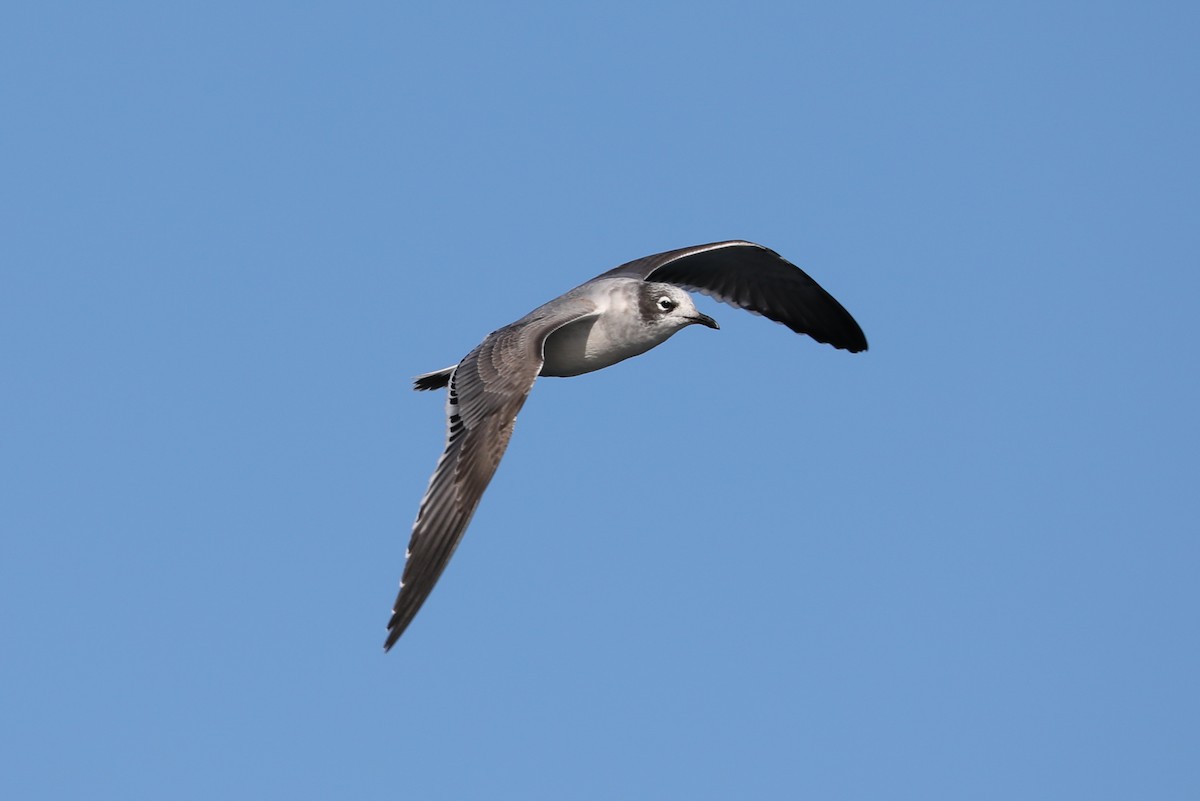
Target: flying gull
[621,313]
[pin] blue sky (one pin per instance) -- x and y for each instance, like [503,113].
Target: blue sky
[961,565]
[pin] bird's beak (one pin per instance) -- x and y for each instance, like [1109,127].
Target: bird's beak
[704,319]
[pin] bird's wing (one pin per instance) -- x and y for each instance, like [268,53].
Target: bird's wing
[757,279]
[486,390]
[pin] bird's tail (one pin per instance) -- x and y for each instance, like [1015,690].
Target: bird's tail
[434,380]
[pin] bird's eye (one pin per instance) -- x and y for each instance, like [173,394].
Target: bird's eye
[665,303]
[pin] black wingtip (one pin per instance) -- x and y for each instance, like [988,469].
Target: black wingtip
[826,321]
[397,624]
[855,343]
[394,633]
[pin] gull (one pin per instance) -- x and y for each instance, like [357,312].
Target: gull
[618,314]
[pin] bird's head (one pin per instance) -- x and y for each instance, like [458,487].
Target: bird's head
[669,307]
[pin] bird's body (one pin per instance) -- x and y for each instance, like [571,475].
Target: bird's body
[619,314]
[616,330]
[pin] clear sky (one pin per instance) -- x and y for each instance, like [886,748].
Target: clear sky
[962,565]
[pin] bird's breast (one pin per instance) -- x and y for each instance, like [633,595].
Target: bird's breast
[593,344]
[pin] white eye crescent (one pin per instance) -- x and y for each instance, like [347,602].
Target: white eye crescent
[665,303]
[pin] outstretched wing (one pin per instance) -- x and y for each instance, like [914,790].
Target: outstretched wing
[486,390]
[757,279]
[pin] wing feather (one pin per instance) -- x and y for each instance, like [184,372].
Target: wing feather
[486,391]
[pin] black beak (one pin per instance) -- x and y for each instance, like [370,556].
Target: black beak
[704,319]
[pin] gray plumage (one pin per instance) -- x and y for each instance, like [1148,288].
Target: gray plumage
[619,314]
